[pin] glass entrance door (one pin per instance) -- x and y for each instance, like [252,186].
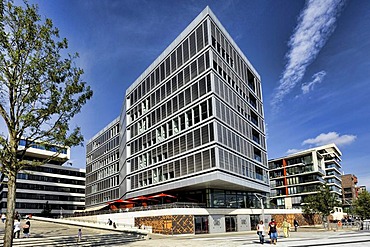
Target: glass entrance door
[255,219]
[230,222]
[201,224]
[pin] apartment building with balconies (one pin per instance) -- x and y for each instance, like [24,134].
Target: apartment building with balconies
[297,175]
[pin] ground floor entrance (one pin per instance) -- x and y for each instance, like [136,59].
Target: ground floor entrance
[231,223]
[201,224]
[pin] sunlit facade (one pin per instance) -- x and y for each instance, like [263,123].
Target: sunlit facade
[56,183]
[194,121]
[102,166]
[297,175]
[192,125]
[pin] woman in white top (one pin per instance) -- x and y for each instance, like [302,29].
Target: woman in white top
[17,228]
[261,231]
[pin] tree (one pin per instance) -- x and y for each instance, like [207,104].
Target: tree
[362,205]
[322,203]
[40,92]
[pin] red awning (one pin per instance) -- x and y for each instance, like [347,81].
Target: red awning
[142,198]
[162,195]
[120,201]
[123,201]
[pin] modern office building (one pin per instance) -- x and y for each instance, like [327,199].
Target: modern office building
[349,189]
[297,175]
[191,125]
[60,186]
[102,167]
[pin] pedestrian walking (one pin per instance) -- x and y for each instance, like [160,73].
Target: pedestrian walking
[79,235]
[286,228]
[26,229]
[109,222]
[261,232]
[273,232]
[17,228]
[3,218]
[29,226]
[296,225]
[114,225]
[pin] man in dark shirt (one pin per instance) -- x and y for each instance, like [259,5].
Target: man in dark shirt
[273,231]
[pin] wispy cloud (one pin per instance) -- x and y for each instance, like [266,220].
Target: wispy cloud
[315,25]
[316,78]
[331,137]
[292,151]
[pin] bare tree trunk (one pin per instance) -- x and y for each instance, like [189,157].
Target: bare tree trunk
[10,208]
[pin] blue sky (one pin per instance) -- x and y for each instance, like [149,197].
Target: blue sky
[313,58]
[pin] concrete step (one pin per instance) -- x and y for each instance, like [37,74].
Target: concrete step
[87,240]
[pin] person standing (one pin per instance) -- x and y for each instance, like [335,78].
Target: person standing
[29,226]
[286,228]
[3,218]
[26,229]
[79,235]
[16,215]
[17,228]
[296,225]
[273,232]
[261,231]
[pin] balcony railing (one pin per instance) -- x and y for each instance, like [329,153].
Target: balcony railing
[142,208]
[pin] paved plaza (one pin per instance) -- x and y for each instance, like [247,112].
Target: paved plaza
[305,237]
[54,234]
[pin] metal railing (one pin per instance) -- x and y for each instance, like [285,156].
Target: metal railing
[121,225]
[142,208]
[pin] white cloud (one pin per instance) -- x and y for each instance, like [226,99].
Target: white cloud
[292,151]
[331,137]
[266,131]
[315,25]
[316,78]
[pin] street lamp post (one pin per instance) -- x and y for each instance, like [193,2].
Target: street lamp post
[260,198]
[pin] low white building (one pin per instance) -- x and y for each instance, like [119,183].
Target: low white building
[61,187]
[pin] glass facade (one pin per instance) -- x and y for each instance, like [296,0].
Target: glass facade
[62,187]
[102,166]
[194,115]
[197,110]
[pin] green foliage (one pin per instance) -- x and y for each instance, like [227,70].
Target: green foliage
[321,203]
[41,90]
[362,205]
